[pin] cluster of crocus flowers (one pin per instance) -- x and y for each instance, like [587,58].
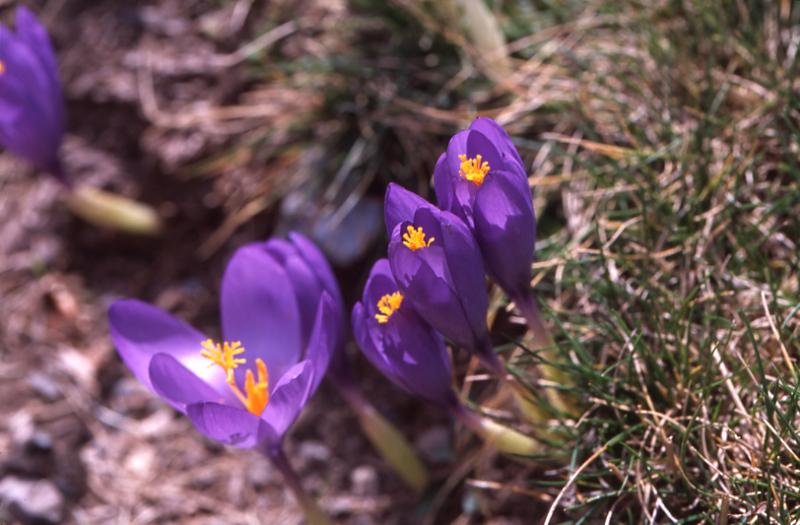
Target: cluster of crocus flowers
[32,124]
[432,286]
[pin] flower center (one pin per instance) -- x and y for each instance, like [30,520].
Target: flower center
[388,304]
[414,239]
[2,67]
[474,169]
[256,393]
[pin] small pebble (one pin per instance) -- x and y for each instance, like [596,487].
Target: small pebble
[435,444]
[31,502]
[364,480]
[43,385]
[314,451]
[260,475]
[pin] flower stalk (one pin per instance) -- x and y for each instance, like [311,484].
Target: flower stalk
[504,439]
[483,31]
[386,439]
[311,510]
[529,408]
[544,344]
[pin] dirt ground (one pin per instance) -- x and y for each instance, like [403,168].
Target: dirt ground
[74,425]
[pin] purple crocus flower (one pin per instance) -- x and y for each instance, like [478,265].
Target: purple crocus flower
[438,266]
[31,105]
[411,354]
[247,390]
[398,342]
[482,179]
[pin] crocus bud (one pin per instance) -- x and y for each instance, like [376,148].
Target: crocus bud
[398,342]
[438,266]
[482,179]
[109,210]
[31,106]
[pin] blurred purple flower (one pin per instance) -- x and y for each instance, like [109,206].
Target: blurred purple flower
[310,275]
[31,105]
[398,342]
[244,406]
[438,267]
[482,179]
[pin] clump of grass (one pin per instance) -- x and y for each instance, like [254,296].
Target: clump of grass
[669,192]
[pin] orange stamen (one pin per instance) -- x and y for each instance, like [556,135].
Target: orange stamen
[474,169]
[414,239]
[388,304]
[256,393]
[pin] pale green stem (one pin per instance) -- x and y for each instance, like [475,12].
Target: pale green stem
[313,514]
[544,343]
[483,31]
[528,406]
[501,437]
[109,210]
[387,440]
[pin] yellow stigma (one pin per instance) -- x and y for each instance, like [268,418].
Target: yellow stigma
[388,304]
[474,169]
[256,393]
[414,239]
[2,67]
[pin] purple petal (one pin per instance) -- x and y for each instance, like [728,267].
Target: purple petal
[457,146]
[479,144]
[177,385]
[443,186]
[259,309]
[418,356]
[368,338]
[289,396]
[310,274]
[400,205]
[499,137]
[324,338]
[34,35]
[464,191]
[229,425]
[380,282]
[467,272]
[307,289]
[31,107]
[505,227]
[429,293]
[314,257]
[140,331]
[405,349]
